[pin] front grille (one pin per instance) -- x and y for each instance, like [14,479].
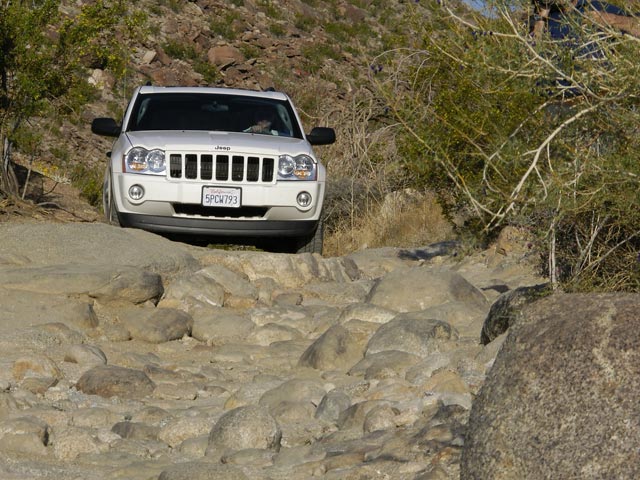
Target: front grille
[221,168]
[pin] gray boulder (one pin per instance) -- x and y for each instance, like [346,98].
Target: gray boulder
[413,333]
[336,349]
[294,390]
[418,288]
[94,244]
[561,398]
[109,381]
[159,325]
[245,427]
[20,309]
[104,282]
[507,307]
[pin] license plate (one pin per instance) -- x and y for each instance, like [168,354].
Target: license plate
[221,197]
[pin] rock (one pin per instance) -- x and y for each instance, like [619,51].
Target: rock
[245,427]
[105,283]
[35,365]
[559,398]
[55,244]
[449,389]
[26,425]
[332,405]
[94,417]
[338,293]
[202,471]
[418,288]
[271,333]
[22,308]
[295,390]
[192,291]
[89,355]
[382,417]
[366,312]
[466,319]
[414,334]
[178,430]
[251,456]
[224,55]
[8,404]
[70,442]
[110,381]
[506,309]
[22,444]
[136,431]
[234,284]
[220,325]
[354,416]
[159,325]
[374,263]
[336,349]
[289,271]
[385,364]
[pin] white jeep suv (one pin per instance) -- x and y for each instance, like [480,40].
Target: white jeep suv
[215,162]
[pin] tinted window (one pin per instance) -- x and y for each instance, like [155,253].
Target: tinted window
[197,111]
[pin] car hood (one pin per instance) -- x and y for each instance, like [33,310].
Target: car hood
[221,142]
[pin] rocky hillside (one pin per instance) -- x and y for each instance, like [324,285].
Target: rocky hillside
[317,51]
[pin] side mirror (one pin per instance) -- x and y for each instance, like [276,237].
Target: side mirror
[321,136]
[105,126]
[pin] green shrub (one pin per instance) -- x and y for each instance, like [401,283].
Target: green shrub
[270,8]
[223,25]
[277,30]
[304,22]
[316,54]
[180,50]
[486,116]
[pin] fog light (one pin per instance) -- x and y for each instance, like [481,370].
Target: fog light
[304,199]
[136,192]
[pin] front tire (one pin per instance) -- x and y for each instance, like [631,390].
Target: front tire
[312,243]
[108,202]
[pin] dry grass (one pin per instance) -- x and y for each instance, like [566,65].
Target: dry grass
[398,222]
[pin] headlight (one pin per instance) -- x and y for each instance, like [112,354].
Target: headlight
[300,167]
[141,160]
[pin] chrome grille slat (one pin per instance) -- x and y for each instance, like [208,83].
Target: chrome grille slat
[221,168]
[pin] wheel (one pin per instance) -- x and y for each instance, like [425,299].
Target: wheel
[108,203]
[312,243]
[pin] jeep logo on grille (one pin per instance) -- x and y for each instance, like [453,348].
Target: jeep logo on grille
[222,147]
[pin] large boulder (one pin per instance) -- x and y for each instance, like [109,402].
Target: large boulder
[97,244]
[103,282]
[561,400]
[418,288]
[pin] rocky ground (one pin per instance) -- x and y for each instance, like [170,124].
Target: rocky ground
[128,356]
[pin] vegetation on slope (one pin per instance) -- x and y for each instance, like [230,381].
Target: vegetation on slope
[542,134]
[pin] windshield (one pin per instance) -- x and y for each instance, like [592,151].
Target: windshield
[213,112]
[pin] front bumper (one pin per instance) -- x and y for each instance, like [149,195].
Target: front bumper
[219,228]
